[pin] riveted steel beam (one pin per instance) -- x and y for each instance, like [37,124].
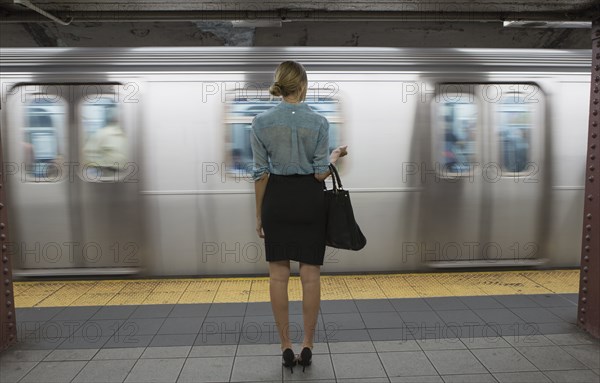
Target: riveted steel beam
[589,284]
[8,324]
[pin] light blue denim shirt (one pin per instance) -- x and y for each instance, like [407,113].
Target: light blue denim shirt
[289,139]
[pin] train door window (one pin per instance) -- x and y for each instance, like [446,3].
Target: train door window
[238,120]
[44,138]
[239,116]
[456,134]
[103,143]
[514,132]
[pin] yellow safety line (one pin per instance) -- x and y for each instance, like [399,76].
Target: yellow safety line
[256,289]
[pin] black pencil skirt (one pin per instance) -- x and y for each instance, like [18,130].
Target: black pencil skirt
[294,219]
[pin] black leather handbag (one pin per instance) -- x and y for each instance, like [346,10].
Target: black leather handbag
[342,230]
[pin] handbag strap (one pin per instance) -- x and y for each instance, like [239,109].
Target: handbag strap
[335,187]
[337,182]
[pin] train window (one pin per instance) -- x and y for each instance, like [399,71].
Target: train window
[514,126]
[238,120]
[457,135]
[44,139]
[103,141]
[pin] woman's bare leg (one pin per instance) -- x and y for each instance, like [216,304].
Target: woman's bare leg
[310,276]
[279,273]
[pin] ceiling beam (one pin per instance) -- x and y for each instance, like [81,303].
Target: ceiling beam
[8,16]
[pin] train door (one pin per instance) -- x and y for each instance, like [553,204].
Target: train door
[74,180]
[38,135]
[515,180]
[483,188]
[452,195]
[107,181]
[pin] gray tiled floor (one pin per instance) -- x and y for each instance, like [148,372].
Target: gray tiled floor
[458,339]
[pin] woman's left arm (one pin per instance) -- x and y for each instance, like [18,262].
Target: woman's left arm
[259,190]
[260,175]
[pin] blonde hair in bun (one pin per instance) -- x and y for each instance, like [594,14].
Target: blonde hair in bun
[290,79]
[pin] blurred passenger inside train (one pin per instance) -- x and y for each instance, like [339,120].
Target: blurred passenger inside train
[237,161]
[105,151]
[516,147]
[450,161]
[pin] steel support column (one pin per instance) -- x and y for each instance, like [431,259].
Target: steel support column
[589,283]
[8,324]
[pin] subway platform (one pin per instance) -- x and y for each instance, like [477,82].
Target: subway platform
[515,326]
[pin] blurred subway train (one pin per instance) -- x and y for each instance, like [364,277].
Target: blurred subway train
[137,160]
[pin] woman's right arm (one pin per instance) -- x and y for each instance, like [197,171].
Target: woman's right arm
[338,152]
[320,160]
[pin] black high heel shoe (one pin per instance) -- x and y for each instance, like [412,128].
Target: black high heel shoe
[289,359]
[305,358]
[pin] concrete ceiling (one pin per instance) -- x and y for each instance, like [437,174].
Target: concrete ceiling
[352,10]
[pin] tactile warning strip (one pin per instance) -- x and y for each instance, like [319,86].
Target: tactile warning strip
[219,290]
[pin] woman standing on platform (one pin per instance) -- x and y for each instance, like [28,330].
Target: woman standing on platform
[290,145]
